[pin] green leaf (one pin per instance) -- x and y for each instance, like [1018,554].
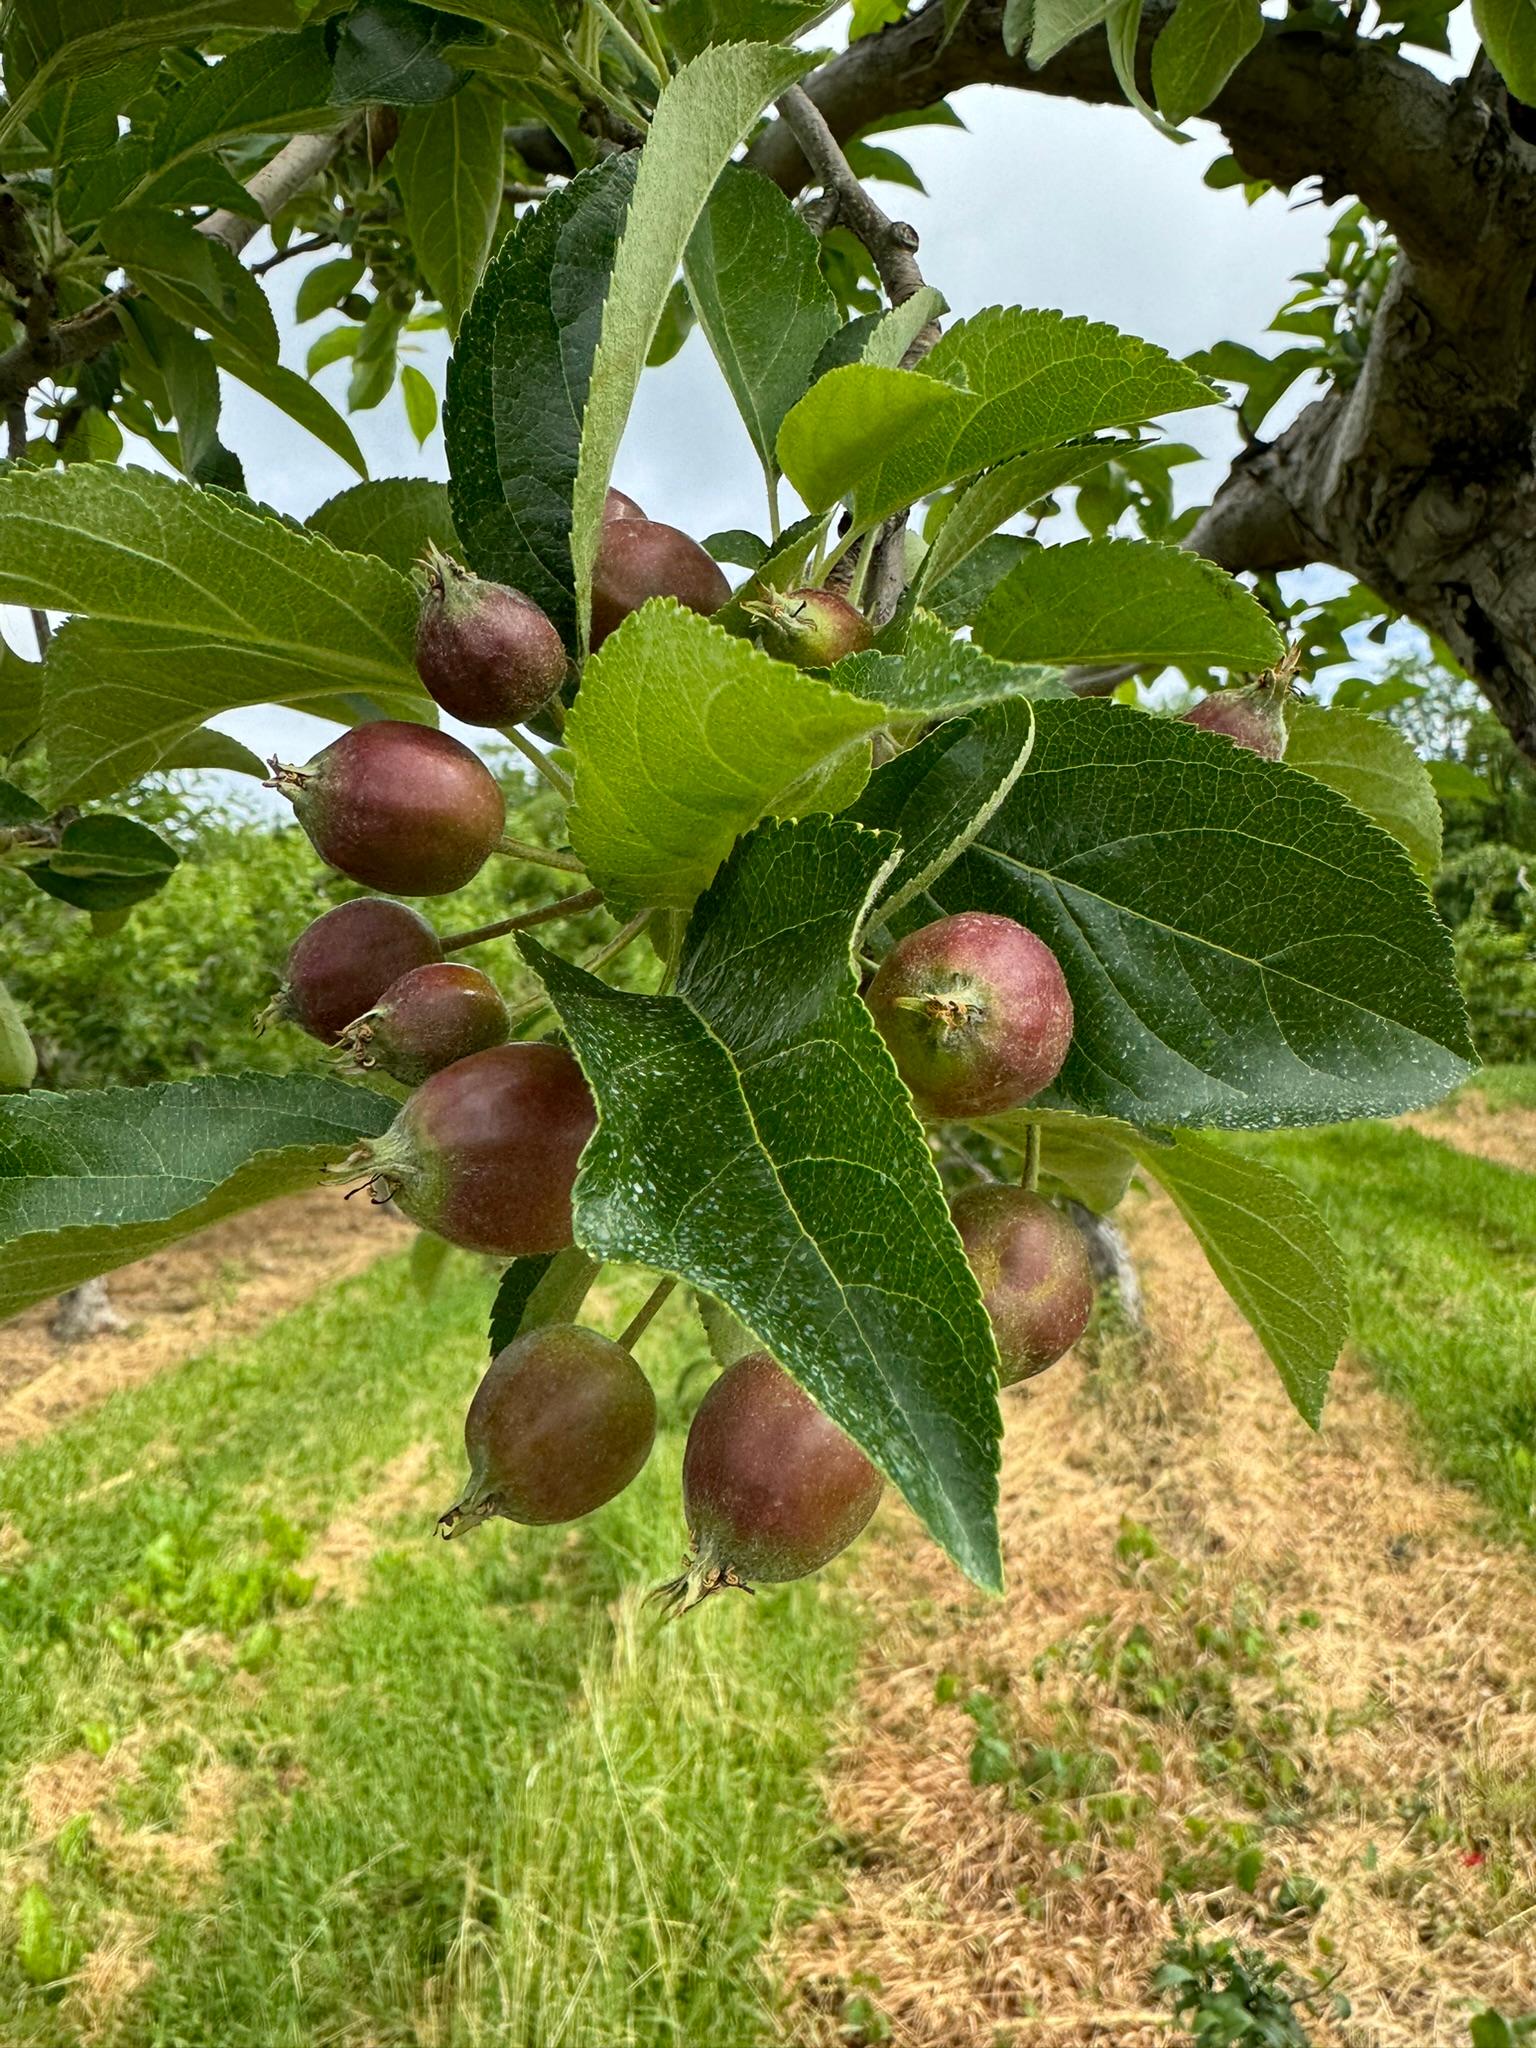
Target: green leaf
[937,675]
[958,597]
[894,332]
[1090,1159]
[1375,767]
[21,700]
[391,51]
[849,420]
[91,1181]
[1125,600]
[278,85]
[41,1947]
[327,285]
[1055,23]
[18,1055]
[197,606]
[1018,22]
[548,1288]
[331,347]
[1455,782]
[984,505]
[18,808]
[1122,32]
[1027,380]
[683,737]
[754,1139]
[754,276]
[869,163]
[1508,31]
[706,110]
[1199,50]
[448,166]
[181,374]
[420,401]
[295,396]
[691,26]
[52,40]
[192,276]
[938,795]
[1270,1249]
[394,518]
[1243,948]
[105,863]
[517,387]
[209,748]
[1006,381]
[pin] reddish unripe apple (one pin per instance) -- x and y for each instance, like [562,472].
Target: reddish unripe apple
[398,806]
[562,1422]
[639,559]
[771,1488]
[1252,716]
[1031,1265]
[341,964]
[486,653]
[485,1152]
[619,505]
[811,628]
[976,1013]
[426,1020]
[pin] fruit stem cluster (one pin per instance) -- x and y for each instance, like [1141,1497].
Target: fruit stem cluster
[555,776]
[568,906]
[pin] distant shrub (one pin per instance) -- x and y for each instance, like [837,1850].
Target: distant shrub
[1488,897]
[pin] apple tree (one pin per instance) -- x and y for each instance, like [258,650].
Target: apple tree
[913,904]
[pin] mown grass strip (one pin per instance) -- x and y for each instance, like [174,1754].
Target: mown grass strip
[1441,1249]
[489,1797]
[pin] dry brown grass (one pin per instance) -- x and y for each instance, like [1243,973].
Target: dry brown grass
[1392,1662]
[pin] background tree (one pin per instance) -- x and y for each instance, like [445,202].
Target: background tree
[1088,935]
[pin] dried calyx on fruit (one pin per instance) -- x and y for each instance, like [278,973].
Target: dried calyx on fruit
[811,628]
[639,559]
[772,1489]
[976,1013]
[426,1020]
[562,1422]
[485,652]
[398,806]
[485,1152]
[1031,1265]
[340,965]
[1252,715]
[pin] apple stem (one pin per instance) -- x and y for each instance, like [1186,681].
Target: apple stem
[1031,1177]
[640,1322]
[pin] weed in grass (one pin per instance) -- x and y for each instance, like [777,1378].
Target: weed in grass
[1231,1997]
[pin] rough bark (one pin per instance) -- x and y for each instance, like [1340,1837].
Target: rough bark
[1419,479]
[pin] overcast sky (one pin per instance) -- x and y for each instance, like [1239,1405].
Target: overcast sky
[1036,202]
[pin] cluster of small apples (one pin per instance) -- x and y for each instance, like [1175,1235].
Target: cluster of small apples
[484,1152]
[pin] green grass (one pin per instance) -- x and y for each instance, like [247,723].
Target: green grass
[1441,1249]
[1506,1087]
[490,1799]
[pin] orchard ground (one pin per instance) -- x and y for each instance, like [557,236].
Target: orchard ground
[278,1768]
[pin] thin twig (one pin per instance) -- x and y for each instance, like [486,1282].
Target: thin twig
[305,248]
[641,1321]
[541,856]
[555,777]
[892,245]
[621,938]
[1031,1175]
[568,906]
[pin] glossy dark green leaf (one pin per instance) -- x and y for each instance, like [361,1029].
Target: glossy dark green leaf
[517,387]
[1243,947]
[106,863]
[549,1288]
[390,51]
[1270,1249]
[754,1139]
[192,276]
[91,1181]
[393,517]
